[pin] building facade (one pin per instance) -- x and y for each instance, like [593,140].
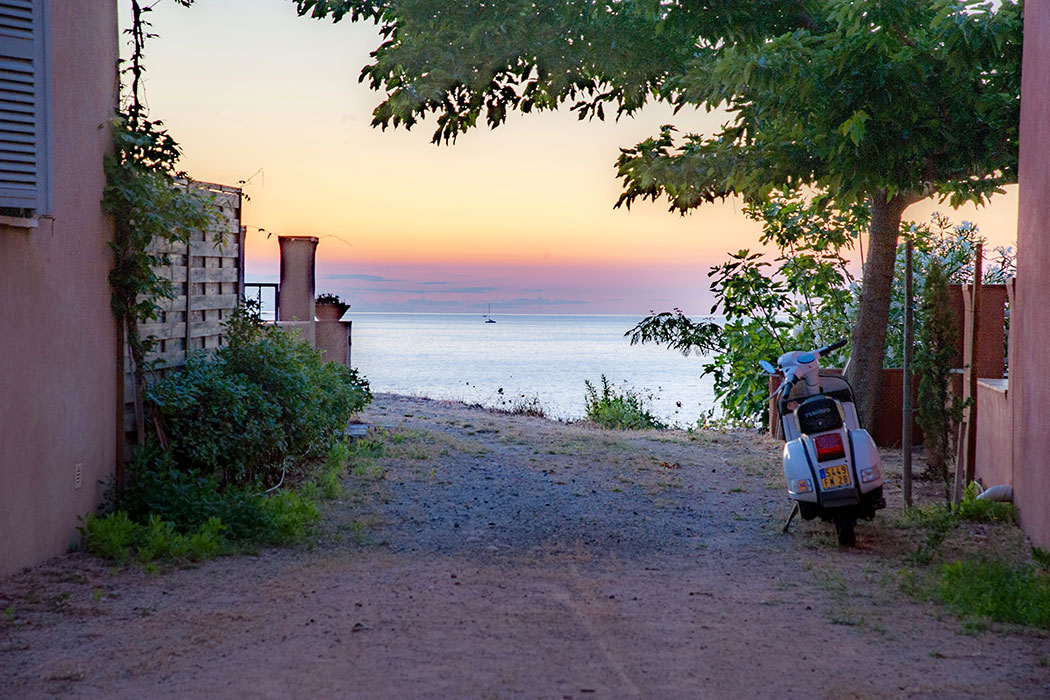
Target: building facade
[59,381]
[1030,322]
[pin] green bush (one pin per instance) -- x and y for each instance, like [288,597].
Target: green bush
[110,537]
[199,521]
[618,410]
[263,398]
[330,479]
[251,415]
[288,514]
[938,521]
[218,423]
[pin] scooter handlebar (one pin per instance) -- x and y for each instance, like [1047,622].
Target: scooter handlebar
[834,346]
[784,389]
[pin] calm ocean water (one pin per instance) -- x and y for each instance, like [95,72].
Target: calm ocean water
[460,357]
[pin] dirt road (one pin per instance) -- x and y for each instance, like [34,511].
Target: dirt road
[482,555]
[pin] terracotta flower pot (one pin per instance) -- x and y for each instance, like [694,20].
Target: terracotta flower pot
[330,312]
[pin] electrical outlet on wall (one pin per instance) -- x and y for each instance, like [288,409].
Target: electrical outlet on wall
[78,475]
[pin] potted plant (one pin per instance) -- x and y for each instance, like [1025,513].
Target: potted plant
[329,307]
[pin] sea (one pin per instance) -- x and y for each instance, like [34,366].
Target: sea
[520,359]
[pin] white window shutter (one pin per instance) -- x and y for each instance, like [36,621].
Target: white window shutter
[25,167]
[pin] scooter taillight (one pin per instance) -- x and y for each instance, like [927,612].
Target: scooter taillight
[829,447]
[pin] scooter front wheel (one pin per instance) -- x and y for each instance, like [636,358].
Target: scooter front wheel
[845,528]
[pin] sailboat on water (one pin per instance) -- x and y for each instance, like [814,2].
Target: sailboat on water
[488,315]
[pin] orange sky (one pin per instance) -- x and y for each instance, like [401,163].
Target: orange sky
[520,217]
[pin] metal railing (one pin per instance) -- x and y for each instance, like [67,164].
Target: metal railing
[264,309]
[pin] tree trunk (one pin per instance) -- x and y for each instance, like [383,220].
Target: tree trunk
[868,339]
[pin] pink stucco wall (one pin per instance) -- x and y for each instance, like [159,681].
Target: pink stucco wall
[58,392]
[993,463]
[1030,322]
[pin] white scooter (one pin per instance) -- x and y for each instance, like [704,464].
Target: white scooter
[830,463]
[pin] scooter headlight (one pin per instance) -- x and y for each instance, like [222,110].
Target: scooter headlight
[870,474]
[801,486]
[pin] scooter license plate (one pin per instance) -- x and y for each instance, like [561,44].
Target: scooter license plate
[834,477]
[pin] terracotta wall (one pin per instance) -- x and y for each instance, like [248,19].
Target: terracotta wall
[58,391]
[1030,322]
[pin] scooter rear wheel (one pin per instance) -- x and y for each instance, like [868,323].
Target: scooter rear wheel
[845,529]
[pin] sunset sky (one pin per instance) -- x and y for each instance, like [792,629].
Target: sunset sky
[520,217]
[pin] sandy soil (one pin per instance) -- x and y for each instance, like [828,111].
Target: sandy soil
[493,556]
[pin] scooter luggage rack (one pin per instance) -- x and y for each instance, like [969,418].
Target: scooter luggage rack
[834,385]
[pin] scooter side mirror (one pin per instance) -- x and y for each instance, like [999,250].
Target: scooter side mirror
[767,366]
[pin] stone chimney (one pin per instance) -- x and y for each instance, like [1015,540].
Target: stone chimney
[297,285]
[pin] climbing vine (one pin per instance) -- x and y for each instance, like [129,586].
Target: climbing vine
[149,199]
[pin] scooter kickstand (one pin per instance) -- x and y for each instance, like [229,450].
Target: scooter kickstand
[794,512]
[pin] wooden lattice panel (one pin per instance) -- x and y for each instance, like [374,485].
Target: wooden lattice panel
[208,277]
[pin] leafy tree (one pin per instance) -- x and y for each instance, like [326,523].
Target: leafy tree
[803,298]
[879,102]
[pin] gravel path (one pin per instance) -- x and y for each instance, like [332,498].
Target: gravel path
[483,555]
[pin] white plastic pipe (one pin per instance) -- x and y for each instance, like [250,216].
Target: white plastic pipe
[1002,492]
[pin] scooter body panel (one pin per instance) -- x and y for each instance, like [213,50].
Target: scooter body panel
[866,461]
[826,462]
[850,480]
[798,473]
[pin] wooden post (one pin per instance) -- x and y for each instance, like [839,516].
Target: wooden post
[967,449]
[118,470]
[188,336]
[906,417]
[975,324]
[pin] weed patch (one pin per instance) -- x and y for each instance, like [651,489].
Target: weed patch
[996,584]
[624,409]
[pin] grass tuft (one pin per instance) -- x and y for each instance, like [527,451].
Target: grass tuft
[520,406]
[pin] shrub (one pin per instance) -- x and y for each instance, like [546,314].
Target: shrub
[263,398]
[287,515]
[314,398]
[939,411]
[235,422]
[218,423]
[618,410]
[110,537]
[331,476]
[937,522]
